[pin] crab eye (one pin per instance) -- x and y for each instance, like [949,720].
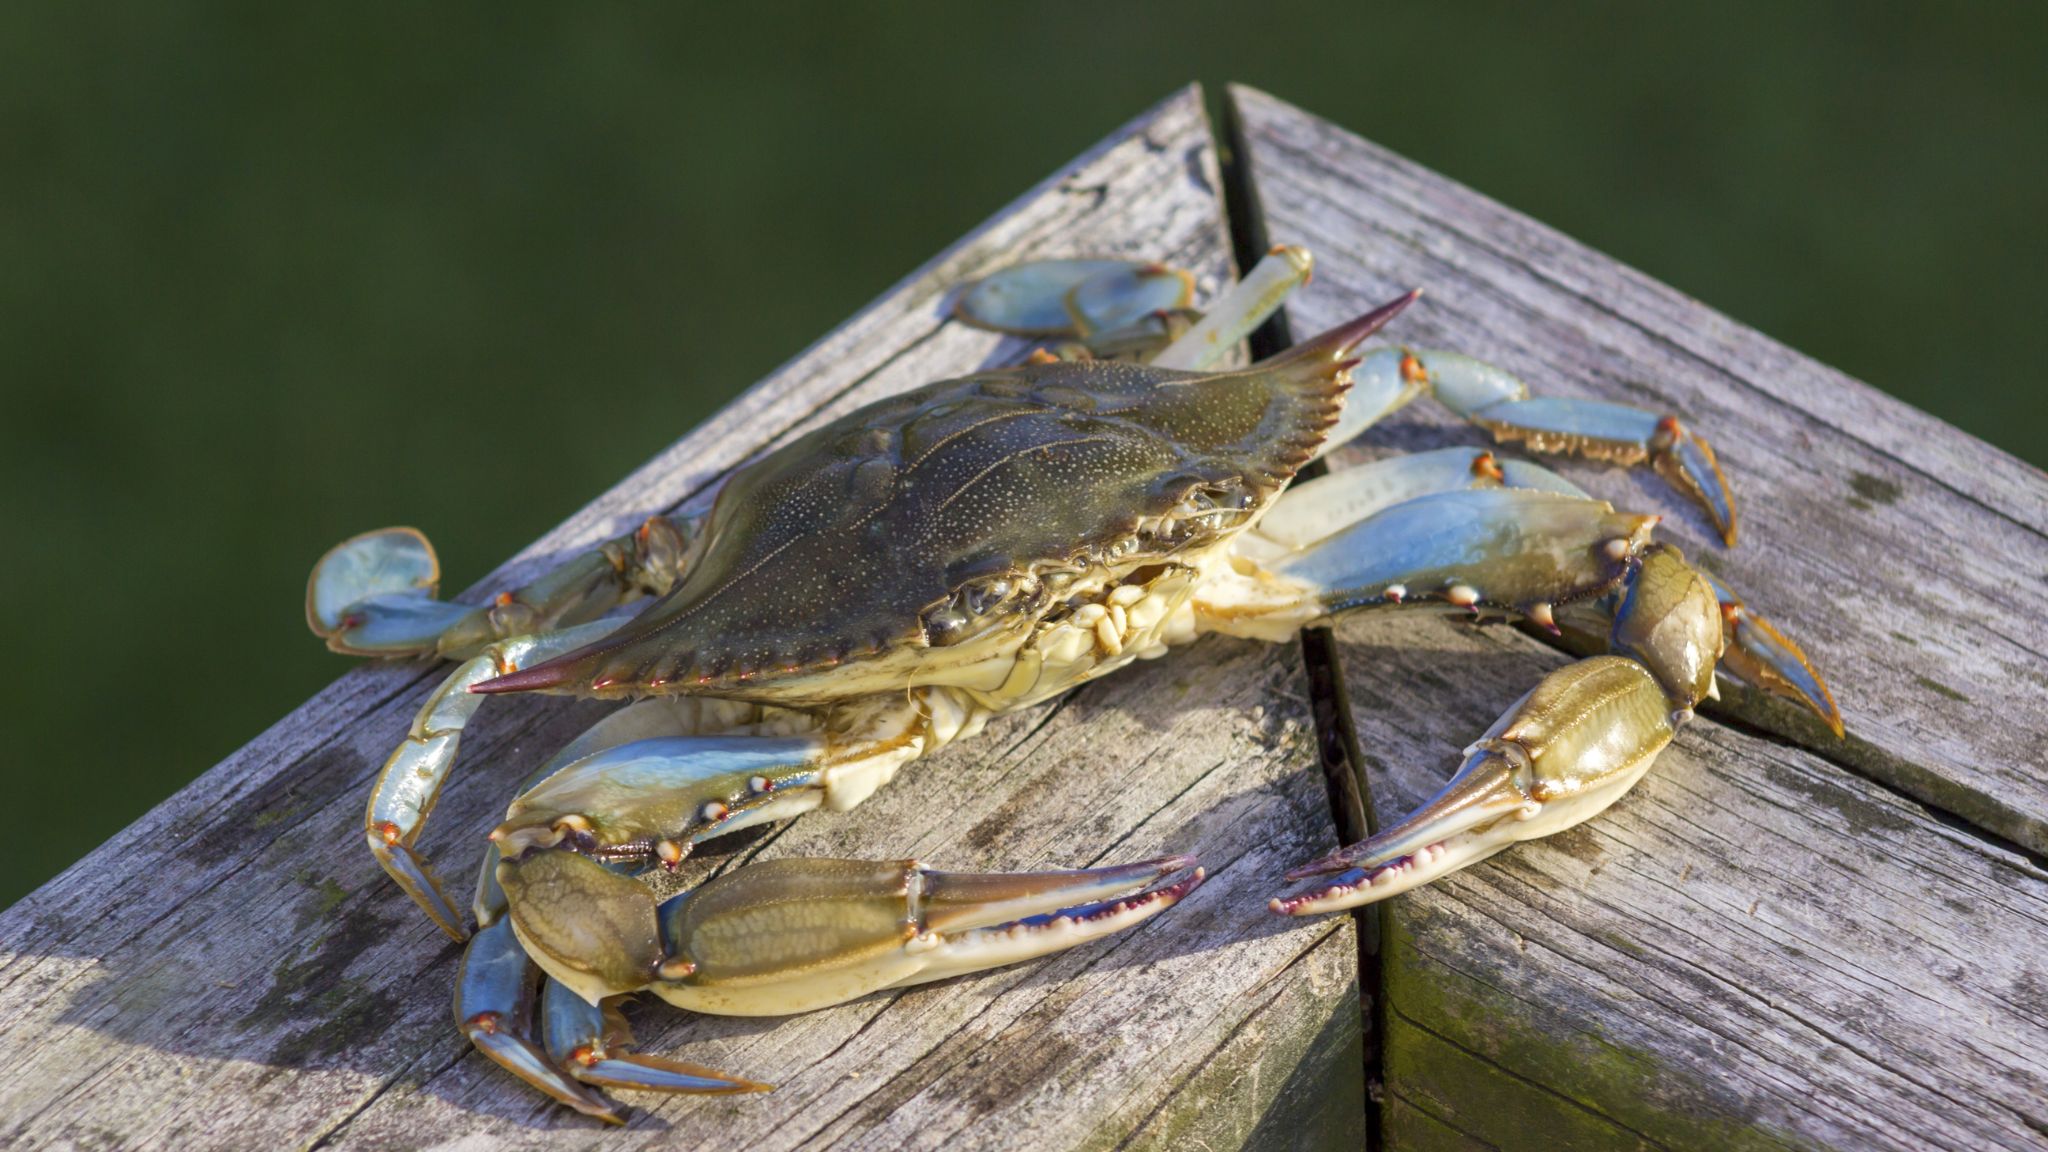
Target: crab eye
[944,625]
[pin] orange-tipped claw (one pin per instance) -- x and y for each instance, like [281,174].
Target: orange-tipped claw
[1755,650]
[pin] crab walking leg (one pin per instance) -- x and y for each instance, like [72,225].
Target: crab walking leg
[1752,647]
[1311,509]
[1769,661]
[412,777]
[1245,306]
[791,935]
[494,1008]
[1497,401]
[1510,550]
[374,594]
[592,1043]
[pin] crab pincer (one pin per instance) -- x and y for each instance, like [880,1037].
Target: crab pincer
[793,934]
[1574,745]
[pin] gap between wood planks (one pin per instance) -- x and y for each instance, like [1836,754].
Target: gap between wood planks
[1336,736]
[1743,709]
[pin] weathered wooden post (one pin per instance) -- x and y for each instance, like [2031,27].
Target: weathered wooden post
[233,971]
[1780,939]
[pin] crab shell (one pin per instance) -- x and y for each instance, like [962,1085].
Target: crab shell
[927,538]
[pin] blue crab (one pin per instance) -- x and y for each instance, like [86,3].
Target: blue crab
[887,583]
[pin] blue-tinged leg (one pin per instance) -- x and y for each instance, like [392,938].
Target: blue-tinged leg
[413,775]
[1313,509]
[654,799]
[593,1043]
[1618,433]
[1769,661]
[1111,301]
[1622,435]
[1511,550]
[374,594]
[494,1000]
[1030,299]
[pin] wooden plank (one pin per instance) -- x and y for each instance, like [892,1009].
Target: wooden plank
[232,971]
[1757,947]
[1910,560]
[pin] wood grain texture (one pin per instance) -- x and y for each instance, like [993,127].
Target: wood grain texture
[1757,947]
[1910,560]
[1754,948]
[233,971]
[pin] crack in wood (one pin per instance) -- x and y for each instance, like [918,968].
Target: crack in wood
[1338,757]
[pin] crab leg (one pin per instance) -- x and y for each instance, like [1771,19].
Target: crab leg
[374,594]
[494,1008]
[412,777]
[1497,401]
[790,935]
[593,1044]
[1770,661]
[1751,646]
[1575,743]
[1506,549]
[1233,315]
[1306,512]
[657,798]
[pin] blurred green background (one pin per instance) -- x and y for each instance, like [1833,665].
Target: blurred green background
[272,274]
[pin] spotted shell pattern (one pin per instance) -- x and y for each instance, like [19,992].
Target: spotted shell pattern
[914,519]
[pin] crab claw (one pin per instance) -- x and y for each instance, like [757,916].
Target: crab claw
[1765,657]
[592,1043]
[1574,745]
[1667,621]
[792,935]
